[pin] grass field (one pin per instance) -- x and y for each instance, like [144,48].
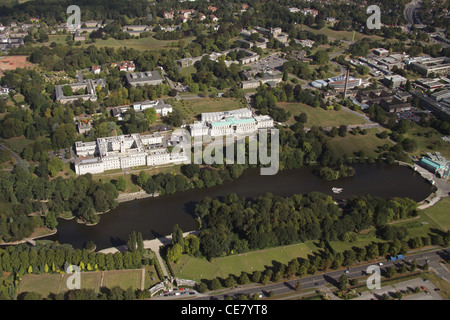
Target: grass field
[440,213]
[17,144]
[341,35]
[431,144]
[351,144]
[123,279]
[45,284]
[194,107]
[188,70]
[149,43]
[196,268]
[320,117]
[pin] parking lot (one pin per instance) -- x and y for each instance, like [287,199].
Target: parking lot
[411,115]
[272,63]
[428,291]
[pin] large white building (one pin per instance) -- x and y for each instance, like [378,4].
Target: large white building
[239,122]
[123,152]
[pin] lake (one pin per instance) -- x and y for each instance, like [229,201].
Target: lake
[155,217]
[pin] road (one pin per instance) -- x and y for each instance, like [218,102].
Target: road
[411,12]
[319,280]
[14,155]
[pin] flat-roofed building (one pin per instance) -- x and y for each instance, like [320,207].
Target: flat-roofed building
[89,87]
[440,95]
[123,152]
[397,81]
[381,52]
[227,123]
[143,78]
[429,66]
[217,116]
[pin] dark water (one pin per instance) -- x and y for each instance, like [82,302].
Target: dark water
[155,217]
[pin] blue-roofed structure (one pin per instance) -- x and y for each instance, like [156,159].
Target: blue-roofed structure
[431,165]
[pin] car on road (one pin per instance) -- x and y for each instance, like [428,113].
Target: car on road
[346,271]
[380,264]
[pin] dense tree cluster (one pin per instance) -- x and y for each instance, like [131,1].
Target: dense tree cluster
[28,201]
[236,225]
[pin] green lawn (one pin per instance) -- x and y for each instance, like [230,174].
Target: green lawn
[123,279]
[45,284]
[341,35]
[320,117]
[151,277]
[440,213]
[17,144]
[42,283]
[188,70]
[431,144]
[194,107]
[351,144]
[148,43]
[419,227]
[197,269]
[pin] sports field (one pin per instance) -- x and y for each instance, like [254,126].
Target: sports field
[197,269]
[320,117]
[45,284]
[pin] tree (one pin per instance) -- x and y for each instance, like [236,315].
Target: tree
[177,236]
[343,282]
[215,284]
[230,281]
[132,242]
[202,287]
[174,253]
[243,279]
[321,57]
[391,272]
[303,118]
[342,131]
[121,184]
[191,244]
[150,115]
[142,178]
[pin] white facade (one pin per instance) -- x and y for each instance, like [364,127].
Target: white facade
[122,152]
[235,122]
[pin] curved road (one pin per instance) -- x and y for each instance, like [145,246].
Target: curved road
[410,12]
[15,156]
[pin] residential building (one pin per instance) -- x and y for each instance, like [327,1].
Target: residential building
[96,69]
[160,107]
[127,66]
